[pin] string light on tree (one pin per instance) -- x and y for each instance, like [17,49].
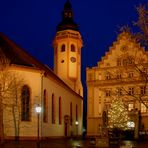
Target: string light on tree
[118,115]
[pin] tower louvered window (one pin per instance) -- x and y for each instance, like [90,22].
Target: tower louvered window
[73,48]
[63,48]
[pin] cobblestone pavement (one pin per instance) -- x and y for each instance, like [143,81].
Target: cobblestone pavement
[70,143]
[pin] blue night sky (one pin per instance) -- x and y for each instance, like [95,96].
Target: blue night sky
[32,25]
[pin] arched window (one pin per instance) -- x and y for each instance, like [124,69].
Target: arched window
[73,48]
[25,103]
[45,107]
[76,112]
[63,48]
[53,109]
[60,110]
[71,113]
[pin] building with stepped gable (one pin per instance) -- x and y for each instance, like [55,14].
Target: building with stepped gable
[121,74]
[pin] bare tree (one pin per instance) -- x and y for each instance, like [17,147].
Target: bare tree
[133,72]
[138,63]
[142,23]
[10,89]
[13,108]
[141,35]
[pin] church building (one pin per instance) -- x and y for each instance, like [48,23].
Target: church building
[58,93]
[121,75]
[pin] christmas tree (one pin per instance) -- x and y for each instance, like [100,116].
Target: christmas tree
[118,115]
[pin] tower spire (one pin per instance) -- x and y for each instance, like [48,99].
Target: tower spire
[68,4]
[67,18]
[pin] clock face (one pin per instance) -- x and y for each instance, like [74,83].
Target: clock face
[73,59]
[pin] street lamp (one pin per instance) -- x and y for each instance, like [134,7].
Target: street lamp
[38,111]
[76,123]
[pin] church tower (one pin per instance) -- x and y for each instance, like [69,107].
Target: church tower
[67,46]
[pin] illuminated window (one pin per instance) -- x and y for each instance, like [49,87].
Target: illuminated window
[63,48]
[130,124]
[143,108]
[73,48]
[45,107]
[71,113]
[70,14]
[65,14]
[60,111]
[100,77]
[25,103]
[53,109]
[130,106]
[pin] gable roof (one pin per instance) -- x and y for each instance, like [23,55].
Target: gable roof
[20,57]
[125,37]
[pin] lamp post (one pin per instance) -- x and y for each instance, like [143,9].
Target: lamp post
[38,111]
[76,123]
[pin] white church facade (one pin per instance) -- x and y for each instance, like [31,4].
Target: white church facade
[59,93]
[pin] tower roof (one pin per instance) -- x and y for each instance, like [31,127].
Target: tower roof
[67,5]
[67,18]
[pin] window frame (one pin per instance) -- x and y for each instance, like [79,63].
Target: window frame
[25,107]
